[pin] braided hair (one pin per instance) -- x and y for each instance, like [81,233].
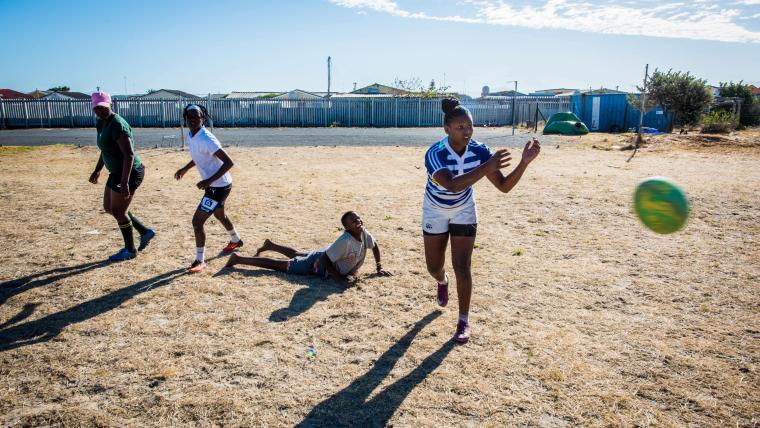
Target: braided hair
[193,106]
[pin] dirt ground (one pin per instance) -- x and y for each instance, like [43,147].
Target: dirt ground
[580,315]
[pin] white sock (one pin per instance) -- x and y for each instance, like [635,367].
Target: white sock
[200,254]
[445,279]
[464,318]
[234,237]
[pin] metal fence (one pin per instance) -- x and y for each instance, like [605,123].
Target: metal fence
[358,112]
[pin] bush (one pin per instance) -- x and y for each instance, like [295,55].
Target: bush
[749,116]
[719,122]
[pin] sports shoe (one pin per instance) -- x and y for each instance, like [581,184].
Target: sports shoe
[232,246]
[145,239]
[443,293]
[123,254]
[462,335]
[196,267]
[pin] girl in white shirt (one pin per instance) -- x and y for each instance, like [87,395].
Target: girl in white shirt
[213,164]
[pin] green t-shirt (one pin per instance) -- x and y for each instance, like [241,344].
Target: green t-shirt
[109,131]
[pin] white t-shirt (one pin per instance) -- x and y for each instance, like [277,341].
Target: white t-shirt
[202,148]
[347,254]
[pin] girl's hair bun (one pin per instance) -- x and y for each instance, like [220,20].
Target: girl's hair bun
[449,104]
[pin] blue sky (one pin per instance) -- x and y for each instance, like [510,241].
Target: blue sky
[226,45]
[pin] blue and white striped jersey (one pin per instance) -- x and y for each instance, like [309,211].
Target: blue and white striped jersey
[440,155]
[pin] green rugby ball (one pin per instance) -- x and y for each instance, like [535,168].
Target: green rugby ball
[661,205]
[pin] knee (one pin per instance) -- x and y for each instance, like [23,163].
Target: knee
[462,266]
[198,223]
[220,216]
[434,269]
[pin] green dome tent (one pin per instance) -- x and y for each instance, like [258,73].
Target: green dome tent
[565,124]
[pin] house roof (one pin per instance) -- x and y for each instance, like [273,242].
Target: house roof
[377,88]
[10,94]
[39,94]
[294,94]
[75,95]
[603,91]
[555,90]
[298,94]
[175,92]
[253,94]
[504,94]
[353,95]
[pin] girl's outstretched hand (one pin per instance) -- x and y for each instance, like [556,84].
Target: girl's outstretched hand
[500,159]
[531,151]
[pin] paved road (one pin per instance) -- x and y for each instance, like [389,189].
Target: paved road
[273,137]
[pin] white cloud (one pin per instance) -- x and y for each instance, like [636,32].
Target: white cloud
[748,2]
[693,20]
[393,8]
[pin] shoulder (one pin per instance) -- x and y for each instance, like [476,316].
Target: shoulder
[437,147]
[480,149]
[119,125]
[368,239]
[343,236]
[436,155]
[206,136]
[120,121]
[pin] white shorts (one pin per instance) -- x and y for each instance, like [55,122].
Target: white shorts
[436,220]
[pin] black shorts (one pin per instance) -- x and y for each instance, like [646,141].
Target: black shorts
[458,230]
[214,198]
[135,179]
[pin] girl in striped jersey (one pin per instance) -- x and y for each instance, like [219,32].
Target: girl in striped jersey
[453,165]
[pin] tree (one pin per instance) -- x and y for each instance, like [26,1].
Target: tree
[740,90]
[417,89]
[686,96]
[59,89]
[412,84]
[635,101]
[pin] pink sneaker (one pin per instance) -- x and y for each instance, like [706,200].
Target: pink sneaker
[462,334]
[443,293]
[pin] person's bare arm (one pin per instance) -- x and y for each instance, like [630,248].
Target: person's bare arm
[126,167]
[378,265]
[506,183]
[444,178]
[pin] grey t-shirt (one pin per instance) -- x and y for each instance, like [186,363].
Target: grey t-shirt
[347,254]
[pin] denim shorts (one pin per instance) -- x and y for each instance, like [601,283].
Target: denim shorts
[307,265]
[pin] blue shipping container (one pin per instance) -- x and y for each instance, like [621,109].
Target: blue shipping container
[612,113]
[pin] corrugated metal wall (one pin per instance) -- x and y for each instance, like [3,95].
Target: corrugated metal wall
[612,113]
[359,112]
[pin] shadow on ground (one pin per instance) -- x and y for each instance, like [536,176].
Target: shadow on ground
[50,326]
[314,290]
[13,287]
[349,406]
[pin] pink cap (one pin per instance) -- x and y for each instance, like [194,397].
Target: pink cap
[101,99]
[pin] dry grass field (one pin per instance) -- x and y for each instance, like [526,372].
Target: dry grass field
[580,315]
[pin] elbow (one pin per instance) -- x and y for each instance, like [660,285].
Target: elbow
[453,188]
[506,187]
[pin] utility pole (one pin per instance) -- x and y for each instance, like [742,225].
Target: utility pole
[329,65]
[514,104]
[643,100]
[639,138]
